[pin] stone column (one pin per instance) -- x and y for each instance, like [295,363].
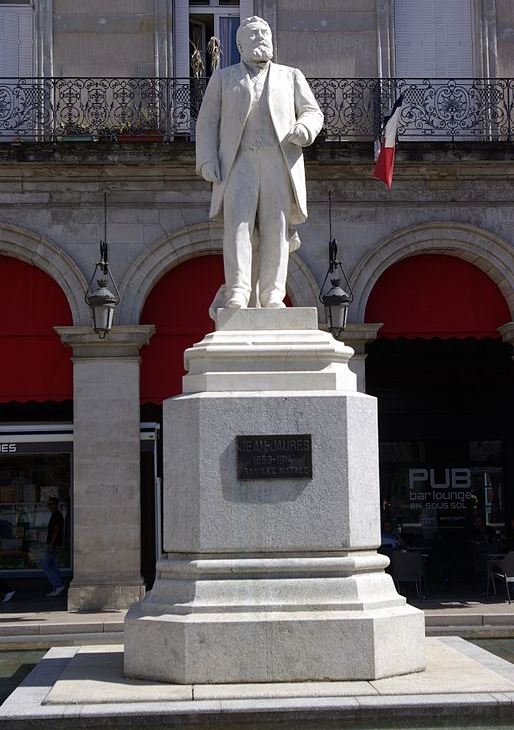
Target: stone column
[106,470]
[507,333]
[357,337]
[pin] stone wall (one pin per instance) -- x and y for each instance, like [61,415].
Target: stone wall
[456,200]
[155,196]
[328,38]
[94,38]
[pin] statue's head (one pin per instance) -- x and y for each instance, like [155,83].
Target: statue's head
[254,40]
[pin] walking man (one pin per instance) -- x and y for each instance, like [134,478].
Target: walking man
[50,562]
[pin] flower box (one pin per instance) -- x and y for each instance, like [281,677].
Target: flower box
[145,136]
[76,138]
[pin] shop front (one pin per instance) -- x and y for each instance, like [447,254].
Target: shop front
[450,509]
[445,387]
[36,463]
[430,498]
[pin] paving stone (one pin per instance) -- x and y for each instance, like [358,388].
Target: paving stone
[285,689]
[455,667]
[65,628]
[448,670]
[95,676]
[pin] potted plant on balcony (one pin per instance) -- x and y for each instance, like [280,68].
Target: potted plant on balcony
[74,132]
[108,134]
[144,129]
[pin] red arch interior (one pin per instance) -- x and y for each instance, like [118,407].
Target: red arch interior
[178,306]
[35,365]
[434,295]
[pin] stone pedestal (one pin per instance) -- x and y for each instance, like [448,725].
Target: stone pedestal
[271,579]
[106,468]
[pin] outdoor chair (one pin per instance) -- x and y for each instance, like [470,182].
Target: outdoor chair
[407,567]
[503,570]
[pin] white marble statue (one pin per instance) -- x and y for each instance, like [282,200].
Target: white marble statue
[254,120]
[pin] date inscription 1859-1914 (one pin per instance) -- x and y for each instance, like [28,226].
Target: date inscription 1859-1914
[282,456]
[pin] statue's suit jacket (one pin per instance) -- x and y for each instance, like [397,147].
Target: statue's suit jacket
[223,116]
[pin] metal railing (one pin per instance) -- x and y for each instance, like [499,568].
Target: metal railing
[49,109]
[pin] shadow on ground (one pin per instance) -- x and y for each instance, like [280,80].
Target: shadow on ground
[30,597]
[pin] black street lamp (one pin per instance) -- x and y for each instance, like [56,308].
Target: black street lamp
[333,296]
[101,300]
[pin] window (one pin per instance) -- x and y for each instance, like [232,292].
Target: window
[27,482]
[16,40]
[201,30]
[219,19]
[197,21]
[433,38]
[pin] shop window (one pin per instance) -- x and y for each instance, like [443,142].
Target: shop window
[486,452]
[439,492]
[27,481]
[401,451]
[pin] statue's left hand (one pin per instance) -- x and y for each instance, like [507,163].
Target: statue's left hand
[211,172]
[298,135]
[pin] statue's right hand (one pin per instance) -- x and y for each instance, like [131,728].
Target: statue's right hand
[211,172]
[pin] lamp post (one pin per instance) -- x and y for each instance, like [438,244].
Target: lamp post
[333,296]
[101,300]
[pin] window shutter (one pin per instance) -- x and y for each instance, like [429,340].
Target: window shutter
[26,45]
[9,41]
[181,34]
[433,38]
[16,41]
[2,45]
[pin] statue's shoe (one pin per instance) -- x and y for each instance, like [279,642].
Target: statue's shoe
[236,303]
[274,305]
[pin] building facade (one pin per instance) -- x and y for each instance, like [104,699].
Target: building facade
[99,103]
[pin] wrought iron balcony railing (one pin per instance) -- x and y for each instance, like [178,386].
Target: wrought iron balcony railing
[48,109]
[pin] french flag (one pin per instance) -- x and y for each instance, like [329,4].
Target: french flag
[385,147]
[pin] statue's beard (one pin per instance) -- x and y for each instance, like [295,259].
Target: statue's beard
[261,54]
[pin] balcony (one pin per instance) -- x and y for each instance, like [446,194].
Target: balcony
[164,109]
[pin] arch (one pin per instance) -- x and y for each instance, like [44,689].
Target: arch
[178,306]
[488,252]
[35,365]
[33,249]
[435,295]
[199,240]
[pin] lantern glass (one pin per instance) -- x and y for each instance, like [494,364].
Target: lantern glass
[102,303]
[337,316]
[102,318]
